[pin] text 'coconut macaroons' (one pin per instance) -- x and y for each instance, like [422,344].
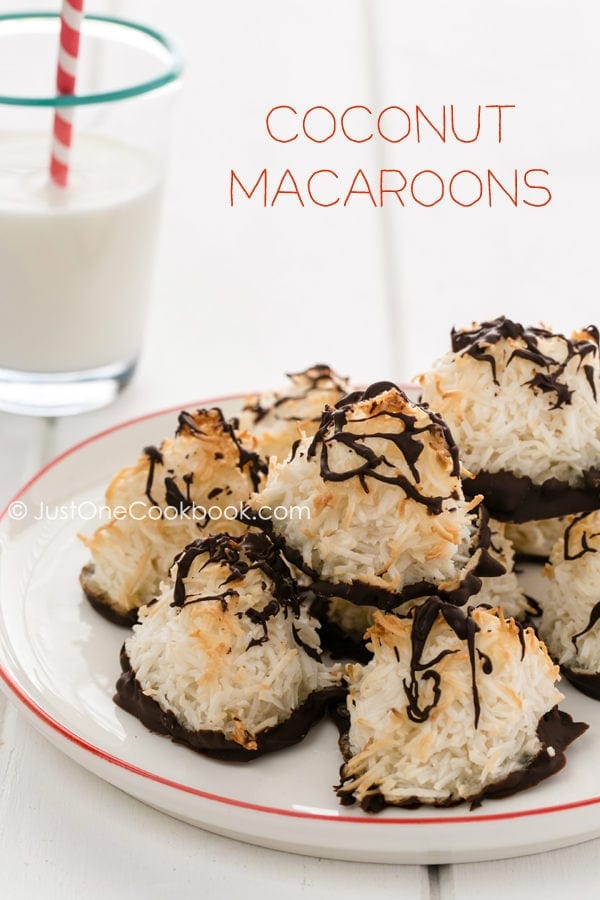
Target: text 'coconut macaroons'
[522,403]
[162,503]
[277,419]
[570,624]
[226,660]
[456,705]
[382,515]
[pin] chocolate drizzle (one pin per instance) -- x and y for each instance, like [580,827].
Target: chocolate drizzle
[486,662]
[256,466]
[261,617]
[316,378]
[240,555]
[175,497]
[465,628]
[569,555]
[223,597]
[548,384]
[187,423]
[373,465]
[585,546]
[477,342]
[594,616]
[310,651]
[155,458]
[536,609]
[589,374]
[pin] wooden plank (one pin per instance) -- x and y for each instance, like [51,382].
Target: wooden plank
[23,442]
[64,834]
[555,874]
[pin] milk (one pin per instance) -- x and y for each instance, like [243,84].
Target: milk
[75,263]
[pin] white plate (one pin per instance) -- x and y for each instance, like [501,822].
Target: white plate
[59,661]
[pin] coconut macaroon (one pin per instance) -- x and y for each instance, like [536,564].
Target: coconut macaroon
[279,418]
[535,540]
[373,505]
[227,660]
[456,705]
[343,624]
[571,605]
[522,404]
[192,484]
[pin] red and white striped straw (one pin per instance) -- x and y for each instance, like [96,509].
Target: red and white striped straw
[70,28]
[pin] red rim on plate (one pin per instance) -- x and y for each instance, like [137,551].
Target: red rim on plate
[33,707]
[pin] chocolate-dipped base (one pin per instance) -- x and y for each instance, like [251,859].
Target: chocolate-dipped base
[101,601]
[130,697]
[516,498]
[539,558]
[556,729]
[338,643]
[368,595]
[586,682]
[364,594]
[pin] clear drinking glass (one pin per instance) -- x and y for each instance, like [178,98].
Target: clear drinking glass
[76,263]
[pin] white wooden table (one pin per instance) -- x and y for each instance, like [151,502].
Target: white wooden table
[245,294]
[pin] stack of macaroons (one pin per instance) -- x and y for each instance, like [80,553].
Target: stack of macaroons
[162,501]
[386,519]
[227,660]
[386,555]
[211,464]
[456,705]
[523,406]
[279,419]
[570,623]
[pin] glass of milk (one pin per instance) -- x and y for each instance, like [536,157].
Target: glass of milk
[76,263]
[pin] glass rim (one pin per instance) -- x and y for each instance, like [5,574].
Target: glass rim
[171,74]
